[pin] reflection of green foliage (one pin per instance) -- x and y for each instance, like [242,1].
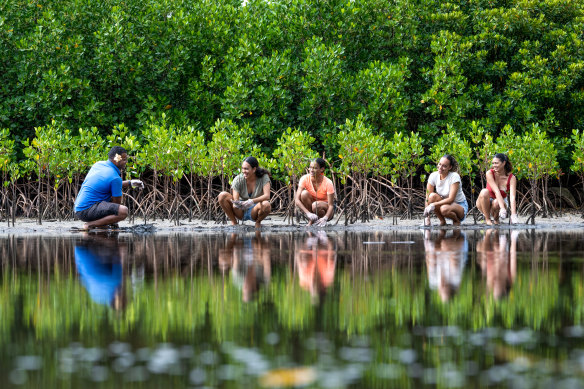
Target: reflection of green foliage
[179,305]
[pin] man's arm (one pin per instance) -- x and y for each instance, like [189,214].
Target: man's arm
[117,200]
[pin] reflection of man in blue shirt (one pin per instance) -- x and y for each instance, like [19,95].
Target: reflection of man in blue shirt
[99,263]
[98,202]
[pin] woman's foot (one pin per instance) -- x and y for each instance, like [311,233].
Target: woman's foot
[427,221]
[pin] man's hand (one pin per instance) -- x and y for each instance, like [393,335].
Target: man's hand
[312,217]
[137,184]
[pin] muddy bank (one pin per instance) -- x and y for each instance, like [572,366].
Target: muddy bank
[277,223]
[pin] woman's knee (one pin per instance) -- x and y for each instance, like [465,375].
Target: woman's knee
[266,207]
[434,197]
[483,194]
[223,196]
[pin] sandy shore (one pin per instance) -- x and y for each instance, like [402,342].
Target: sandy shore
[274,223]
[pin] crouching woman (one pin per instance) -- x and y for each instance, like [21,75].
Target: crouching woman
[250,197]
[444,196]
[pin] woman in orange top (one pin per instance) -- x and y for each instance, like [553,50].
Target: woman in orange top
[316,194]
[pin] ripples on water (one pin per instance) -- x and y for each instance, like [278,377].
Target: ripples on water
[385,309]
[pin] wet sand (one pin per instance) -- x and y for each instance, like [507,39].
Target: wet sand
[275,223]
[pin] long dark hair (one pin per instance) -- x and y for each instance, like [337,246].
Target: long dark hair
[453,163]
[504,158]
[254,163]
[320,162]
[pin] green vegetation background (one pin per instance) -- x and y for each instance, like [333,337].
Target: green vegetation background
[375,85]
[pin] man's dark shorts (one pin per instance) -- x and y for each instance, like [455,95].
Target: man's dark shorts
[98,211]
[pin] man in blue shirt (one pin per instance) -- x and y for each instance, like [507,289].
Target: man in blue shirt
[99,200]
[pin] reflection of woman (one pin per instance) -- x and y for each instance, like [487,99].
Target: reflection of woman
[316,261]
[99,264]
[492,200]
[444,194]
[498,262]
[316,194]
[250,199]
[446,257]
[249,259]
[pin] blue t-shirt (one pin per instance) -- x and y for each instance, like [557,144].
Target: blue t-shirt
[101,273]
[101,184]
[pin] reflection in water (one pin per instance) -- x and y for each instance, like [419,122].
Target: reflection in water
[375,328]
[249,260]
[99,261]
[498,261]
[316,259]
[446,256]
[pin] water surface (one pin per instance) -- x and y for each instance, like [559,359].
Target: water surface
[378,309]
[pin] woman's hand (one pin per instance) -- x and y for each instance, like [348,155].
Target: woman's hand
[311,216]
[514,219]
[247,204]
[502,213]
[322,221]
[429,209]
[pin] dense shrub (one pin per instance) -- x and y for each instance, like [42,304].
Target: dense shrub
[222,70]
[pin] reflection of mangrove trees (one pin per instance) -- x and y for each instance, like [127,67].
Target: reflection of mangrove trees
[181,293]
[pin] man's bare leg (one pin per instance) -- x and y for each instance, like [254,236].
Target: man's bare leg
[111,219]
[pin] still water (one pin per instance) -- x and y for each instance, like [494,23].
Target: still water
[445,309]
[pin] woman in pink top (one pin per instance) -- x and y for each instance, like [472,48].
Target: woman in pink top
[316,194]
[493,201]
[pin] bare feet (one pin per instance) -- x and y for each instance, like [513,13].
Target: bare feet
[427,221]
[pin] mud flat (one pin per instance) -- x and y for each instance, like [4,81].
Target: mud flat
[568,221]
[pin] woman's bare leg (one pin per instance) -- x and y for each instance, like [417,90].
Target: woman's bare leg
[225,201]
[455,212]
[306,199]
[484,205]
[260,212]
[434,197]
